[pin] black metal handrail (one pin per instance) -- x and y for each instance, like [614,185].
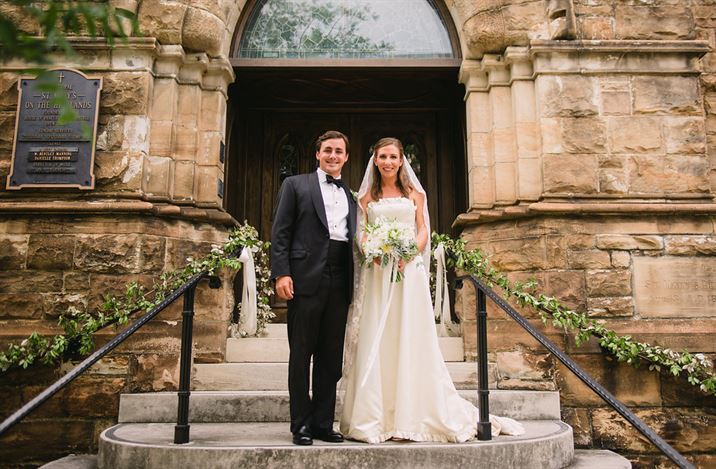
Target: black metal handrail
[483,291]
[181,431]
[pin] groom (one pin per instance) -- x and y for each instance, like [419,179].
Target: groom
[312,263]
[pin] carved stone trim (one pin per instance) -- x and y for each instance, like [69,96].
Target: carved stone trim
[477,217]
[104,207]
[632,57]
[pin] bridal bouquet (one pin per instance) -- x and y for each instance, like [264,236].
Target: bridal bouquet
[387,239]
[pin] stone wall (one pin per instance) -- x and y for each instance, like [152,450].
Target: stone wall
[590,262]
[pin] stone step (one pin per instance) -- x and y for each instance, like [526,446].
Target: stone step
[598,459]
[546,444]
[275,349]
[272,406]
[274,376]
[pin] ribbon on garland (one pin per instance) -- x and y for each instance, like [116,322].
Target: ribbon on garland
[249,310]
[442,298]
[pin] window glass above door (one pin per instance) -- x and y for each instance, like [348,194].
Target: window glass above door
[347,29]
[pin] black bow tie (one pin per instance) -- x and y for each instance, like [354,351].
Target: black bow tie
[331,180]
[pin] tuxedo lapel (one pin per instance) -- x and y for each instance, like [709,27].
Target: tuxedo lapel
[317,198]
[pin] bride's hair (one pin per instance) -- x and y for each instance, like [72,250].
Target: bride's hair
[403,181]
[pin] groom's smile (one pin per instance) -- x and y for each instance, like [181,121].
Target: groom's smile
[332,156]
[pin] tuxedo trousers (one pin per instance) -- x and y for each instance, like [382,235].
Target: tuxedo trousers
[316,328]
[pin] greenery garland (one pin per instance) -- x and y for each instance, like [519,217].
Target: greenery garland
[696,367]
[79,327]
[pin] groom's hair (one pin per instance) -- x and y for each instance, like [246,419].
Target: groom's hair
[329,135]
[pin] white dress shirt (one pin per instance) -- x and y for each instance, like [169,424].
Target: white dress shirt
[336,203]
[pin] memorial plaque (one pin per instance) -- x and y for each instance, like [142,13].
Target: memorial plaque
[46,153]
[675,286]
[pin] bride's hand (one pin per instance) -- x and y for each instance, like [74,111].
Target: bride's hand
[376,261]
[401,265]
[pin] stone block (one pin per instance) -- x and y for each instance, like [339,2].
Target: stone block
[206,184]
[111,134]
[157,176]
[182,187]
[676,392]
[567,286]
[523,366]
[570,173]
[119,171]
[26,281]
[102,285]
[7,130]
[616,103]
[8,91]
[584,135]
[581,425]
[152,253]
[690,245]
[505,182]
[164,99]
[185,144]
[628,243]
[685,135]
[654,174]
[209,149]
[126,93]
[161,138]
[551,130]
[595,27]
[136,132]
[666,95]
[20,306]
[568,96]
[13,252]
[50,252]
[63,304]
[86,397]
[188,108]
[610,307]
[653,22]
[685,429]
[621,259]
[613,181]
[178,251]
[162,19]
[107,253]
[202,31]
[635,135]
[530,178]
[704,15]
[608,283]
[633,386]
[21,444]
[155,372]
[588,259]
[213,111]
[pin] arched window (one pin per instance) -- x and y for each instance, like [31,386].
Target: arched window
[345,29]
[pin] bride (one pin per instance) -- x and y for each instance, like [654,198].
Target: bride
[395,381]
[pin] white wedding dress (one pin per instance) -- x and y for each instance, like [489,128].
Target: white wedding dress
[395,381]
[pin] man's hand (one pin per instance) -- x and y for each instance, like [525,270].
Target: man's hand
[284,287]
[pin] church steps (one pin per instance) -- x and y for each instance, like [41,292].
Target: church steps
[273,347]
[273,376]
[546,444]
[272,406]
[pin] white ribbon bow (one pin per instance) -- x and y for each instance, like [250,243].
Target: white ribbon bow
[249,310]
[442,298]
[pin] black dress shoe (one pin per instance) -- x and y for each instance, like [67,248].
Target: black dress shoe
[303,437]
[328,435]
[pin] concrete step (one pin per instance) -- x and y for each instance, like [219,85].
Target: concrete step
[546,444]
[272,406]
[274,376]
[598,459]
[273,347]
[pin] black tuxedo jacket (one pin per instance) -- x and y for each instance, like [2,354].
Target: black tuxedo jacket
[299,235]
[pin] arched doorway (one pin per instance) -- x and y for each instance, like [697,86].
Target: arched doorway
[368,68]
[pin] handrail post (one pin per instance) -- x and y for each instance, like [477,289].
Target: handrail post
[181,430]
[484,428]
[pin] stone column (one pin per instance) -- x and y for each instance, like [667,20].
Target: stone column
[481,162]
